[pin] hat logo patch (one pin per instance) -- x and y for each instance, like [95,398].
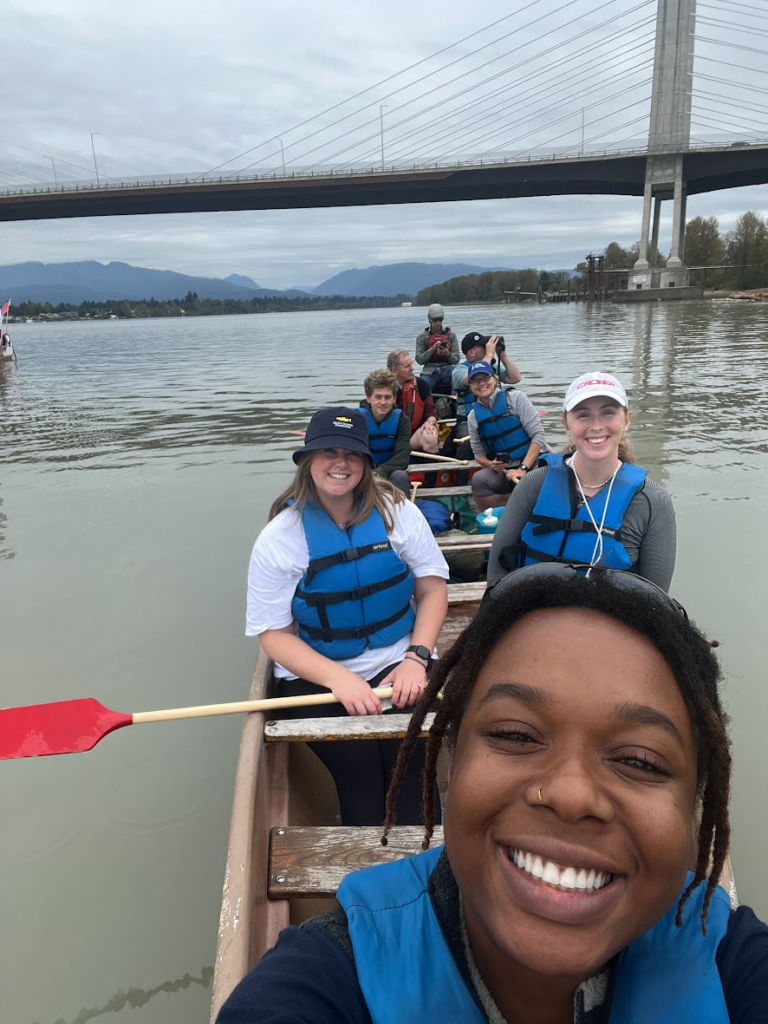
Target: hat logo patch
[591,383]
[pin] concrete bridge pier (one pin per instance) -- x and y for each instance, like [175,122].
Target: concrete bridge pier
[669,134]
[664,182]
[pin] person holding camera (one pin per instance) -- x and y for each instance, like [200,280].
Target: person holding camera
[506,436]
[489,348]
[437,347]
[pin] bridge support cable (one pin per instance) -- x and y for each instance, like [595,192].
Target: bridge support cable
[471,72]
[377,85]
[372,137]
[563,92]
[468,112]
[559,88]
[374,103]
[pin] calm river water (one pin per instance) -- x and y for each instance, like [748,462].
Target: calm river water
[138,460]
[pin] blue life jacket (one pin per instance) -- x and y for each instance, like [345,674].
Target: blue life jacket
[554,534]
[499,429]
[356,592]
[382,436]
[408,975]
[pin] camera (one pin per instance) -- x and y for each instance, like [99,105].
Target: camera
[502,457]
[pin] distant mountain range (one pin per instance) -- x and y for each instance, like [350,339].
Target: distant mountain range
[395,278]
[89,280]
[97,282]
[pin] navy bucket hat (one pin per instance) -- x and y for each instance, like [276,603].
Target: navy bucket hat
[338,427]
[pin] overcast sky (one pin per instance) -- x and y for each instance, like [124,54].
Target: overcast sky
[184,87]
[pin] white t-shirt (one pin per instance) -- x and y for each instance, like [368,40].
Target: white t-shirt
[280,558]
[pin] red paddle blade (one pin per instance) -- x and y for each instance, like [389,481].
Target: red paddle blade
[63,727]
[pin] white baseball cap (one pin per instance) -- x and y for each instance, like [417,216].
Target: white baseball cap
[436,311]
[594,385]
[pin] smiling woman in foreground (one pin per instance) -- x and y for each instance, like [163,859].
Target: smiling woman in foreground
[586,825]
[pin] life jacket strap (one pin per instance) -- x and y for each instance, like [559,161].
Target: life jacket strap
[327,636]
[540,556]
[318,600]
[347,555]
[551,524]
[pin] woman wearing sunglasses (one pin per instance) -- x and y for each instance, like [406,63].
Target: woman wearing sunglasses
[591,504]
[586,828]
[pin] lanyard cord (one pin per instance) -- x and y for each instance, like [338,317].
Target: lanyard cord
[597,550]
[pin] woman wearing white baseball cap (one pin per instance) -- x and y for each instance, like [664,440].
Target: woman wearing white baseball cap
[591,504]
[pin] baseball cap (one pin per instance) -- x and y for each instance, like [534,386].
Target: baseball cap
[436,311]
[472,340]
[593,385]
[337,427]
[481,367]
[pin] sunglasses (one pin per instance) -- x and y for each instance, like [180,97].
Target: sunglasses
[618,578]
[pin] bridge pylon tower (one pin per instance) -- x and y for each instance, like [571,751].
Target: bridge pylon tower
[669,134]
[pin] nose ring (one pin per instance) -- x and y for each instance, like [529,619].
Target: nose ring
[540,800]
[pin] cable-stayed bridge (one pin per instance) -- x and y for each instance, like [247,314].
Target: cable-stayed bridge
[656,98]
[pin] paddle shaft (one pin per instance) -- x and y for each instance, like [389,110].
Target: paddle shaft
[244,706]
[439,458]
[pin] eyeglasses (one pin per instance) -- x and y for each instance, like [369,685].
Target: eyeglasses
[436,319]
[618,578]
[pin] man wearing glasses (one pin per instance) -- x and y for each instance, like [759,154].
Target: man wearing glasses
[437,347]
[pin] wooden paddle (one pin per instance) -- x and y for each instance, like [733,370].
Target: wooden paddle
[439,458]
[73,726]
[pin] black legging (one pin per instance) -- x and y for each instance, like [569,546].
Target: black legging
[362,769]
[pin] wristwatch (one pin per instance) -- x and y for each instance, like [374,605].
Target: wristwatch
[421,652]
[525,469]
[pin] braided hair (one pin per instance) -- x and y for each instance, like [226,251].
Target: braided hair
[685,649]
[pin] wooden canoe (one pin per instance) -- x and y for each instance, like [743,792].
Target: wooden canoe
[282,784]
[285,841]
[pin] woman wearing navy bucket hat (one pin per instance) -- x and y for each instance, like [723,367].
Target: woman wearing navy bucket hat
[346,592]
[591,504]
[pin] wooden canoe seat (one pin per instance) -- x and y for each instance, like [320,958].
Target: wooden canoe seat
[316,730]
[444,492]
[309,863]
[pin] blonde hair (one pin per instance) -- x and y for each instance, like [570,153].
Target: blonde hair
[371,493]
[626,452]
[380,379]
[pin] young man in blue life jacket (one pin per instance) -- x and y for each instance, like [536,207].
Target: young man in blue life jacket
[506,436]
[389,431]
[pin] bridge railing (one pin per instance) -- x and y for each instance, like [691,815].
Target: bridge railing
[345,172]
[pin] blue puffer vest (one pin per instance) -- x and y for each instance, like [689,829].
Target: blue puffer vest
[553,535]
[499,430]
[382,436]
[356,592]
[408,975]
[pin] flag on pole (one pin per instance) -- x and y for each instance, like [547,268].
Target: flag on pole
[4,309]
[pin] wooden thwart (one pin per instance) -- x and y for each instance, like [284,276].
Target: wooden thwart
[465,542]
[445,492]
[312,862]
[366,727]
